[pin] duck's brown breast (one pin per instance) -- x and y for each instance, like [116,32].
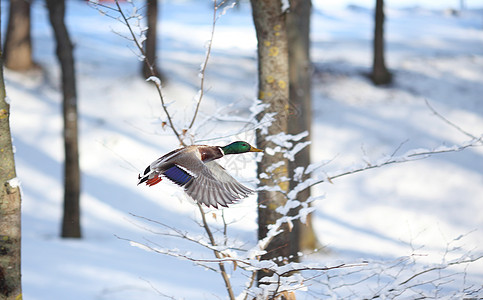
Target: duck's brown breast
[209,153]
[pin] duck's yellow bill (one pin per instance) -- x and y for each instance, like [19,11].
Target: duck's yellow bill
[253,149]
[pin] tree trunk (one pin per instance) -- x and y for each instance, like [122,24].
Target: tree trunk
[18,44]
[150,42]
[71,219]
[380,74]
[273,90]
[10,233]
[300,118]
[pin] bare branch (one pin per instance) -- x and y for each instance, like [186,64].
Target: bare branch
[415,155]
[205,63]
[253,278]
[177,233]
[441,267]
[158,291]
[151,70]
[225,227]
[448,121]
[217,253]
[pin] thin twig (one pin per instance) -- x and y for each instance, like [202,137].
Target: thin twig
[205,63]
[441,268]
[280,275]
[399,147]
[242,262]
[217,253]
[177,233]
[250,284]
[152,71]
[448,121]
[156,290]
[396,160]
[199,262]
[225,227]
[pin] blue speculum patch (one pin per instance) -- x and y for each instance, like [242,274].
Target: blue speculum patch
[178,175]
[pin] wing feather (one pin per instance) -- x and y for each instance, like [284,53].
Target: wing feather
[207,190]
[227,181]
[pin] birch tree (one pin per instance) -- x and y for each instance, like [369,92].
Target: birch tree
[10,234]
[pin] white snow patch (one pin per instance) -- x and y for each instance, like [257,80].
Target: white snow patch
[154,79]
[14,182]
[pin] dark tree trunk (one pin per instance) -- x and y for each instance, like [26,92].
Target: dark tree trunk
[151,41]
[273,89]
[18,44]
[380,74]
[71,219]
[10,233]
[300,118]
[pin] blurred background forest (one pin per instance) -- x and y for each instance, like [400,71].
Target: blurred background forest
[76,228]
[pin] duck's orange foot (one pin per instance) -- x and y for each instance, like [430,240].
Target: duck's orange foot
[153,181]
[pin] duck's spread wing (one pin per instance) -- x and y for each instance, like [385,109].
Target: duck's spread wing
[207,184]
[227,181]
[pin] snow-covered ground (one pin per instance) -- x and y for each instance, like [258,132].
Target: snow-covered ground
[423,208]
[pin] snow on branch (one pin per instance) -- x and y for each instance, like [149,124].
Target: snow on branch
[411,155]
[154,79]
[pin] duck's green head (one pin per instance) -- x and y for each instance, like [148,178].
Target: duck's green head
[239,147]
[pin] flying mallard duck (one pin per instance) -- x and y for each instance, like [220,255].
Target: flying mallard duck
[203,179]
